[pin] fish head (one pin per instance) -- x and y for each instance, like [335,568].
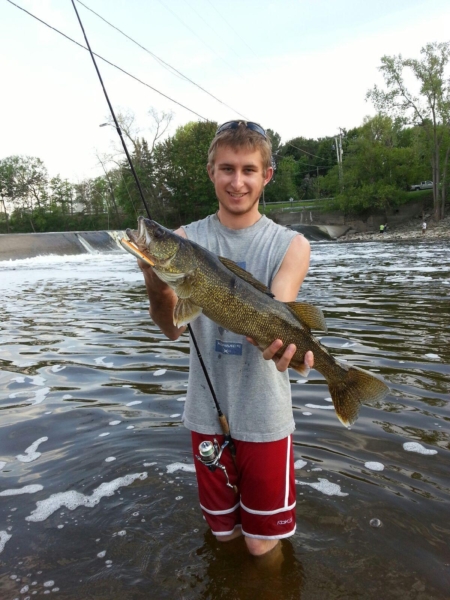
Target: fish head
[167,251]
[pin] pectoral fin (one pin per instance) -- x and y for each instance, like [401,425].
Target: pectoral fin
[308,315]
[185,312]
[184,286]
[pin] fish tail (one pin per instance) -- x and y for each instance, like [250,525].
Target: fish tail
[351,388]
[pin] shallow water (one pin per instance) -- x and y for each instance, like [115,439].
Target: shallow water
[91,397]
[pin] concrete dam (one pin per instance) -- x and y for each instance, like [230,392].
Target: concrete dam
[14,246]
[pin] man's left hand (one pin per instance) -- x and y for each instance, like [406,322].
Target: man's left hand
[283,362]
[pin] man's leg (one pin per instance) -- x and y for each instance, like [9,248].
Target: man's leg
[267,490]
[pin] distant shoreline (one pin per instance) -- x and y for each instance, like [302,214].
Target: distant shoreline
[406,232]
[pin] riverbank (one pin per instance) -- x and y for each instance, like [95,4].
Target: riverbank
[407,231]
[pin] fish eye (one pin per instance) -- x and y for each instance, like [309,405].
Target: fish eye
[159,233]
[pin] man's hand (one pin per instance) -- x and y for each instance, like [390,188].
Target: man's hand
[162,302]
[283,362]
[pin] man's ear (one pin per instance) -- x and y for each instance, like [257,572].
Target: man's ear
[268,176]
[210,169]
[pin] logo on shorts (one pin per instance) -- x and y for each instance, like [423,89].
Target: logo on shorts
[285,522]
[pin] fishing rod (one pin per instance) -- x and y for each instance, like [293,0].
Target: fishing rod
[210,453]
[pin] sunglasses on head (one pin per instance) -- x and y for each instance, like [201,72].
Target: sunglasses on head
[235,125]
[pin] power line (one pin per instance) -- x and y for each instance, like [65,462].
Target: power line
[160,60]
[109,62]
[212,28]
[196,35]
[232,28]
[133,76]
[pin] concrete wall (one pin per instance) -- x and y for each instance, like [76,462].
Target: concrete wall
[343,222]
[27,245]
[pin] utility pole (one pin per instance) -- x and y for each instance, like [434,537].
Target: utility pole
[339,152]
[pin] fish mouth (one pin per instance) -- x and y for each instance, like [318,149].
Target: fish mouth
[140,237]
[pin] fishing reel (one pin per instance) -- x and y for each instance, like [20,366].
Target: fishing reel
[210,454]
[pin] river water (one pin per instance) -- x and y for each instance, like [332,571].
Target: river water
[97,492]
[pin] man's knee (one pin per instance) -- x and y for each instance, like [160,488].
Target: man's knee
[258,547]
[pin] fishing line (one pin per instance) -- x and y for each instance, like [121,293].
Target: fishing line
[222,418]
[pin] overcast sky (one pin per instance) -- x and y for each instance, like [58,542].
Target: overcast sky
[300,67]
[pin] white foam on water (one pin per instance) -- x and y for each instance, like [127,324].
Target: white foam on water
[182,399]
[73,499]
[115,422]
[4,537]
[374,466]
[299,464]
[101,361]
[57,368]
[177,466]
[28,489]
[150,464]
[121,533]
[435,356]
[40,395]
[126,385]
[324,486]
[159,372]
[110,458]
[301,380]
[130,427]
[18,379]
[101,554]
[30,453]
[307,414]
[415,447]
[50,583]
[2,464]
[328,399]
[175,415]
[67,396]
[104,434]
[134,403]
[321,406]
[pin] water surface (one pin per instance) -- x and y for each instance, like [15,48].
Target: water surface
[97,494]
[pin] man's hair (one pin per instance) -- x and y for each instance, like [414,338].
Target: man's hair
[241,138]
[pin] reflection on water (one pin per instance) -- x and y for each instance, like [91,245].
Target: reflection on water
[97,494]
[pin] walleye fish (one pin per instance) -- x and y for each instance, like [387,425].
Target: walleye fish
[234,299]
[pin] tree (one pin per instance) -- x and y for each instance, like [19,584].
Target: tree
[282,186]
[429,108]
[141,150]
[376,168]
[24,183]
[183,184]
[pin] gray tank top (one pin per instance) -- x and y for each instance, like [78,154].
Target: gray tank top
[254,396]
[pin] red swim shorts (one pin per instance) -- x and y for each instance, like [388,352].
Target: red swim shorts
[265,504]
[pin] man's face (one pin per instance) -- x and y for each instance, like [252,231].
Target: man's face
[238,179]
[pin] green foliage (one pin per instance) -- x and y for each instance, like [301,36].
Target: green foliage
[429,108]
[181,177]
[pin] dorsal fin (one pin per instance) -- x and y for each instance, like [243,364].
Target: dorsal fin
[245,275]
[308,315]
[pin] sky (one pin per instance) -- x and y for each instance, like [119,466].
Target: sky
[299,67]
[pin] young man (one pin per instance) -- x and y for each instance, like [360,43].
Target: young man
[252,387]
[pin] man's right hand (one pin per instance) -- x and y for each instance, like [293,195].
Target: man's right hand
[162,302]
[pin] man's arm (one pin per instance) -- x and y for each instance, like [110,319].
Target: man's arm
[286,286]
[162,299]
